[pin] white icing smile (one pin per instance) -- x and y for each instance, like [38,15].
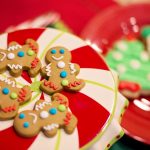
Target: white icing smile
[57,58]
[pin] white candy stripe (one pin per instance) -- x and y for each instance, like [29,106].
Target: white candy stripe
[72,139]
[13,66]
[5,124]
[14,47]
[74,42]
[103,96]
[3,41]
[47,143]
[100,76]
[52,143]
[21,81]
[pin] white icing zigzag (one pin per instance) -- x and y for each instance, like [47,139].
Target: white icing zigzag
[13,66]
[35,117]
[8,81]
[42,105]
[48,70]
[4,56]
[72,68]
[51,127]
[14,47]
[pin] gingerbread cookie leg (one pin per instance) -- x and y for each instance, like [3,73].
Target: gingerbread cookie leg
[50,87]
[15,72]
[75,85]
[24,95]
[50,130]
[35,67]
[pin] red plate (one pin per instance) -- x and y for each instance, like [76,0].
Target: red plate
[103,30]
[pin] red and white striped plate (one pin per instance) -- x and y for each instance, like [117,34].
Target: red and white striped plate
[97,106]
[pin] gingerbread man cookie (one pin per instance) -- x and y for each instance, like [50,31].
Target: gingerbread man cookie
[20,57]
[11,97]
[61,73]
[47,116]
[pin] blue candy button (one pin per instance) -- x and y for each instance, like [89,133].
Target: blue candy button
[63,74]
[21,54]
[53,51]
[22,116]
[26,124]
[62,51]
[53,111]
[5,91]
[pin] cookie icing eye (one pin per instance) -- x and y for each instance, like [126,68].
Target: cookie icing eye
[62,51]
[21,54]
[5,91]
[53,111]
[26,124]
[22,116]
[53,51]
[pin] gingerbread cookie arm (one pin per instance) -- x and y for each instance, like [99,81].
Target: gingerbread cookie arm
[74,68]
[24,95]
[3,60]
[50,86]
[46,71]
[61,98]
[70,123]
[35,67]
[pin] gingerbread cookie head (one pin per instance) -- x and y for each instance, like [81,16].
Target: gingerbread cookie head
[60,72]
[58,53]
[47,117]
[20,57]
[11,97]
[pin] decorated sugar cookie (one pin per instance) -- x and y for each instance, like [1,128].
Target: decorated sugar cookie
[61,73]
[47,117]
[131,59]
[11,97]
[20,57]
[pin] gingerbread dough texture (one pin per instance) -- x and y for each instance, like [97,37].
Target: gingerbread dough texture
[60,73]
[20,57]
[47,117]
[11,97]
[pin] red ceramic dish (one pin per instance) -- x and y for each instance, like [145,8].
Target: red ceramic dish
[103,30]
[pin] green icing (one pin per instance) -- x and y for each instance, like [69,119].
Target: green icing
[130,60]
[35,86]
